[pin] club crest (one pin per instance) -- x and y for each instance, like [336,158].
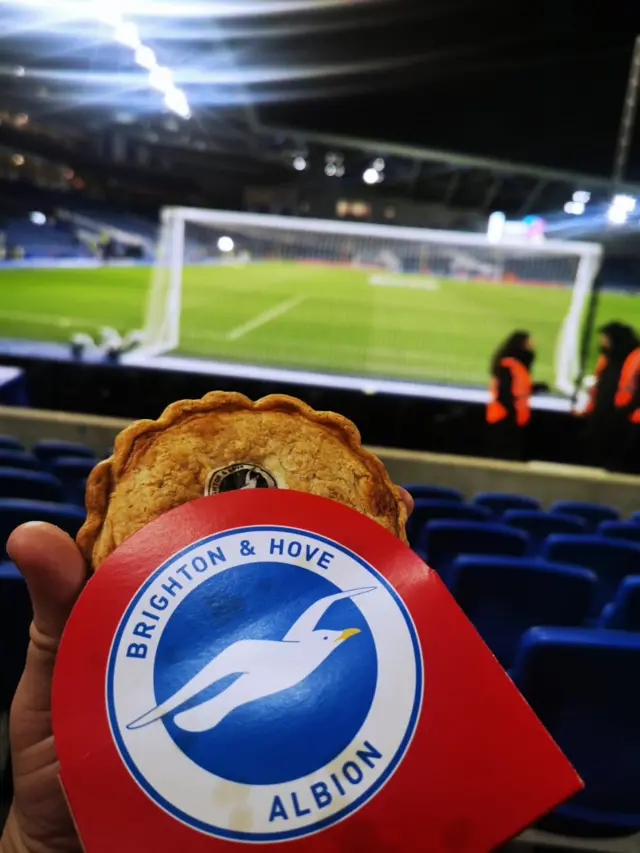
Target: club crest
[263,684]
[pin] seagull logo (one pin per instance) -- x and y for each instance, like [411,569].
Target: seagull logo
[263,667]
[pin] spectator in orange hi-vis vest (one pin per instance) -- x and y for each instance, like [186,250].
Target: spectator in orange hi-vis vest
[606,418]
[627,405]
[509,408]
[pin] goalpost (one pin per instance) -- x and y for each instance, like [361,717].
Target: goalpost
[399,257]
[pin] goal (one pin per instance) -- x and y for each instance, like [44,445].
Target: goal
[357,298]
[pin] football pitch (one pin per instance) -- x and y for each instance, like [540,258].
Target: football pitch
[310,316]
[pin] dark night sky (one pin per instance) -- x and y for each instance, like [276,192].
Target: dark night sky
[537,82]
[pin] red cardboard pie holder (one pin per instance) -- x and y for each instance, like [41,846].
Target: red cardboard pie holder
[265,667]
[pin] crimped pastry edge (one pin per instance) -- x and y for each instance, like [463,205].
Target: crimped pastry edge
[105,475]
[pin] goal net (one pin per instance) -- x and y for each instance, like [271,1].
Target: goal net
[363,299]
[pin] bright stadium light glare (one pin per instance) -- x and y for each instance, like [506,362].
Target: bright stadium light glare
[581,197]
[624,202]
[127,33]
[146,58]
[38,218]
[496,226]
[371,176]
[575,208]
[340,170]
[176,101]
[299,163]
[161,78]
[330,170]
[226,244]
[19,71]
[616,215]
[378,164]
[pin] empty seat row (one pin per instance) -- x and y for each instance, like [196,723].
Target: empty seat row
[48,449]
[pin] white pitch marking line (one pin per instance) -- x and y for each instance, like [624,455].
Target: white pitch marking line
[266,317]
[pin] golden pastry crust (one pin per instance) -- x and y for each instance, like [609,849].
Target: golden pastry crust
[158,465]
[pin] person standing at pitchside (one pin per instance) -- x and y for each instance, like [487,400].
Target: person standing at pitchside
[509,408]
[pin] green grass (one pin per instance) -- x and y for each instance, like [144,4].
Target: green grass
[304,315]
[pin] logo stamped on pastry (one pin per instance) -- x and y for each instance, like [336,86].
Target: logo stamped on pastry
[242,475]
[263,684]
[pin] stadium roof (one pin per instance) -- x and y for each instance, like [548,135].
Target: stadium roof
[267,80]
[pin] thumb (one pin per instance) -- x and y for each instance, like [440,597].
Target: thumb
[54,570]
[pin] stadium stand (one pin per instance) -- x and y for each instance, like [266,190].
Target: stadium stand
[14,512]
[72,472]
[624,611]
[498,503]
[49,449]
[434,493]
[505,596]
[18,459]
[32,485]
[625,530]
[538,525]
[446,540]
[8,442]
[592,513]
[426,511]
[610,559]
[582,683]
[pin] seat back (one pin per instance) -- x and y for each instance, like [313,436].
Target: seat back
[426,511]
[433,492]
[19,459]
[48,449]
[8,442]
[499,502]
[583,684]
[446,540]
[16,512]
[592,513]
[611,560]
[72,472]
[624,611]
[625,530]
[538,525]
[505,596]
[31,485]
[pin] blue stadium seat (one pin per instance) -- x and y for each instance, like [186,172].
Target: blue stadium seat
[15,617]
[446,540]
[504,596]
[16,512]
[592,513]
[73,472]
[8,442]
[430,492]
[635,517]
[19,459]
[48,449]
[499,502]
[583,684]
[611,560]
[624,611]
[539,524]
[625,530]
[426,511]
[31,485]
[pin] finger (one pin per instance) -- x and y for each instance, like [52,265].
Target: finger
[407,498]
[54,570]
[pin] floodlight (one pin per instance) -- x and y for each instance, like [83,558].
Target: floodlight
[226,244]
[176,101]
[371,176]
[127,34]
[299,163]
[17,160]
[624,202]
[576,208]
[581,197]
[340,170]
[330,170]
[146,58]
[616,215]
[161,78]
[38,218]
[496,226]
[378,164]
[19,71]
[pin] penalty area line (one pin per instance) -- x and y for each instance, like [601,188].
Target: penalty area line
[264,318]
